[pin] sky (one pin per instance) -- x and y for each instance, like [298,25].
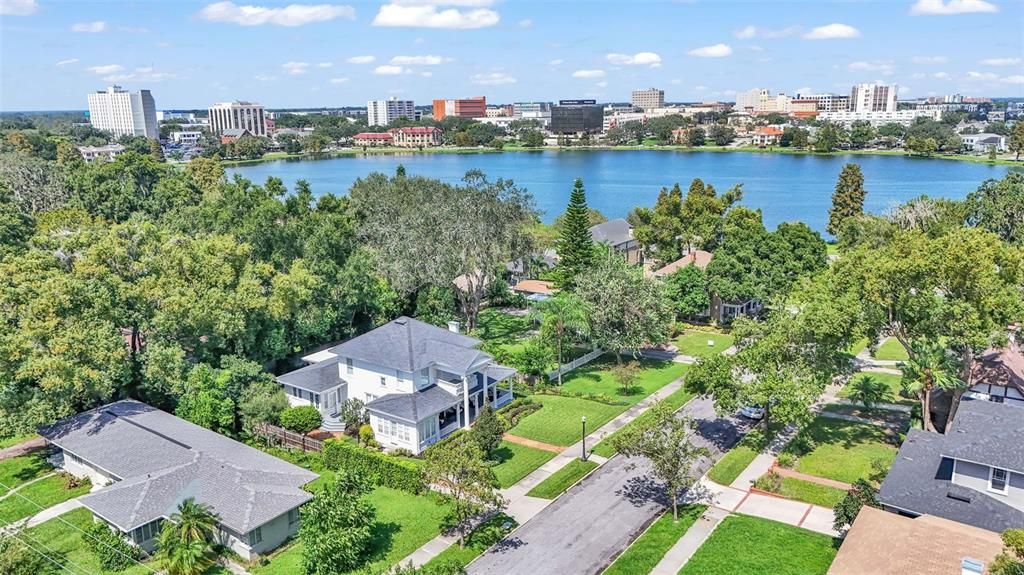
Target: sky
[191,54]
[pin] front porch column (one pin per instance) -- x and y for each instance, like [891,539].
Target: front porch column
[465,400]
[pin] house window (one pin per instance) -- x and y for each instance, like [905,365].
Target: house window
[997,480]
[255,536]
[316,399]
[382,427]
[293,516]
[348,365]
[383,381]
[296,392]
[146,532]
[370,397]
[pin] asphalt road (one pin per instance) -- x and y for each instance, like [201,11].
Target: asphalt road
[585,529]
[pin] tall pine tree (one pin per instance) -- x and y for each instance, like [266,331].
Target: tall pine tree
[848,199]
[575,246]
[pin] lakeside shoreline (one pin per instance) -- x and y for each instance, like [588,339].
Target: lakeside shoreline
[275,156]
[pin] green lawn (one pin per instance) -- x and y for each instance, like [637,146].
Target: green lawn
[742,545]
[648,549]
[495,326]
[858,346]
[404,523]
[480,540]
[675,400]
[842,450]
[19,470]
[558,422]
[14,440]
[891,380]
[729,467]
[809,492]
[563,479]
[891,350]
[695,343]
[33,498]
[518,461]
[66,542]
[597,378]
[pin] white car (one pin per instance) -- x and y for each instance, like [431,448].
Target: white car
[755,412]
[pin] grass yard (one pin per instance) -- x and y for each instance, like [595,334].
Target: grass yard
[695,343]
[19,470]
[841,450]
[809,492]
[858,346]
[729,467]
[597,378]
[518,461]
[478,541]
[563,479]
[35,497]
[66,541]
[648,549]
[741,545]
[675,400]
[496,326]
[891,380]
[6,442]
[404,523]
[891,350]
[558,422]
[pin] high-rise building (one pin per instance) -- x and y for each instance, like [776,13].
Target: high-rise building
[124,113]
[475,107]
[762,101]
[873,98]
[828,102]
[238,116]
[576,117]
[383,112]
[648,99]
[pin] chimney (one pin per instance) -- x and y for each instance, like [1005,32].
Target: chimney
[453,326]
[970,566]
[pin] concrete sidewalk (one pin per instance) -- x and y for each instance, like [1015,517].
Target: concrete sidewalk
[688,544]
[43,516]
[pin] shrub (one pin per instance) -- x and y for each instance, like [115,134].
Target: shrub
[787,460]
[863,493]
[301,419]
[802,444]
[770,482]
[72,481]
[487,430]
[456,435]
[511,414]
[353,413]
[380,469]
[366,435]
[109,547]
[401,452]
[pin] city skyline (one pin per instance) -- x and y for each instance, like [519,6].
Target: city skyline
[331,55]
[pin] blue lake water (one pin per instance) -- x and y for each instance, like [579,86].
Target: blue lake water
[785,187]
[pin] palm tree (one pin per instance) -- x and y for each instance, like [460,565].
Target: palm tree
[868,391]
[564,314]
[930,366]
[186,539]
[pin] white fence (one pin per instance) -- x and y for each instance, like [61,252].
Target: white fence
[582,360]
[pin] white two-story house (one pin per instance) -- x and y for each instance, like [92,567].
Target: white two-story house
[419,382]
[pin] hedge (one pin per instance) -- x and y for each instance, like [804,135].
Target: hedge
[518,409]
[380,469]
[456,435]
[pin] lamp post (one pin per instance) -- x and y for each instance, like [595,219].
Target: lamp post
[583,420]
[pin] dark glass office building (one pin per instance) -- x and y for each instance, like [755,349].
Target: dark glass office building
[576,117]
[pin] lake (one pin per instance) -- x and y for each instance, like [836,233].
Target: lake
[785,187]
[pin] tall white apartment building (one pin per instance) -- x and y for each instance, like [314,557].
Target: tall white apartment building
[648,99]
[828,102]
[383,112]
[238,116]
[873,98]
[123,113]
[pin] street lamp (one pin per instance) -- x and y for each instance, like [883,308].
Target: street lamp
[583,420]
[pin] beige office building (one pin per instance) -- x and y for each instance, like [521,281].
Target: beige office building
[648,99]
[238,116]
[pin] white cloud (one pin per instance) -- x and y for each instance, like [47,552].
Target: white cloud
[714,51]
[588,74]
[948,7]
[1001,62]
[981,75]
[751,31]
[526,23]
[391,70]
[929,60]
[291,15]
[639,59]
[492,79]
[883,66]
[419,60]
[941,75]
[415,15]
[325,65]
[18,7]
[264,78]
[700,88]
[68,62]
[602,84]
[90,27]
[295,68]
[1015,79]
[918,75]
[832,31]
[338,80]
[426,74]
[106,69]
[556,62]
[361,59]
[144,74]
[675,81]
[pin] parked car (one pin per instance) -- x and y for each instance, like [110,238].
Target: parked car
[755,412]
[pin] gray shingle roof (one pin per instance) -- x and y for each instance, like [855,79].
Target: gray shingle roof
[317,377]
[614,232]
[912,485]
[409,345]
[163,460]
[412,407]
[989,433]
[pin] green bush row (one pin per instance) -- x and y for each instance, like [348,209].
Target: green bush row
[598,397]
[515,411]
[379,468]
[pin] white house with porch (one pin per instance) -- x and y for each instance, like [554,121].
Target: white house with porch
[419,382]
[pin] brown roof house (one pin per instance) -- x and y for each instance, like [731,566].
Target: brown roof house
[1000,375]
[720,310]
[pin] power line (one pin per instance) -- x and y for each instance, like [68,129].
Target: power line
[45,556]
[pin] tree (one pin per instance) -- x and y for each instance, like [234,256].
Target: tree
[337,526]
[930,367]
[535,357]
[575,246]
[156,150]
[301,419]
[19,558]
[848,198]
[1016,143]
[922,146]
[998,206]
[627,310]
[1011,560]
[863,493]
[564,315]
[204,400]
[112,551]
[207,173]
[868,391]
[702,214]
[829,137]
[261,402]
[353,413]
[626,375]
[186,539]
[532,139]
[687,289]
[664,227]
[721,135]
[664,439]
[861,134]
[695,137]
[487,431]
[458,471]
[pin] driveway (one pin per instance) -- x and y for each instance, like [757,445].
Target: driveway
[585,529]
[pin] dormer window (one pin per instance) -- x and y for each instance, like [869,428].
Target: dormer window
[997,480]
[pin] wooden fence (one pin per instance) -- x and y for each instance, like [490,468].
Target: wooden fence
[282,437]
[581,360]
